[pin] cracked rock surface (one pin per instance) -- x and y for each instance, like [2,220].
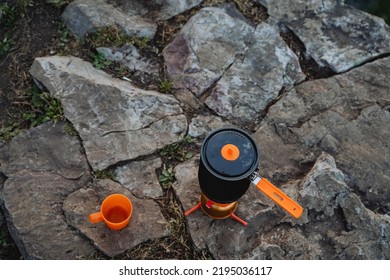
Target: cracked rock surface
[244,67]
[32,195]
[334,34]
[255,80]
[115,120]
[346,116]
[157,9]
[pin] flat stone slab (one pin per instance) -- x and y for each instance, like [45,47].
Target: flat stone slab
[115,120]
[157,9]
[146,222]
[43,165]
[172,8]
[339,115]
[86,16]
[32,151]
[252,82]
[244,67]
[334,34]
[202,125]
[205,48]
[139,177]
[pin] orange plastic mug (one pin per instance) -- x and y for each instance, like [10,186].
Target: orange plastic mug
[115,211]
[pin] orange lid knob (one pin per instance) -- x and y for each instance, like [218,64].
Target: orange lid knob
[230,152]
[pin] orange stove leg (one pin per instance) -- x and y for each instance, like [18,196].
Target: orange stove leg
[193,209]
[238,219]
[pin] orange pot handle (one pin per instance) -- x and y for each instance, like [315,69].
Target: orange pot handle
[279,197]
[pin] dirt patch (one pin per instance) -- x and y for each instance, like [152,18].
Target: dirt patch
[32,33]
[31,29]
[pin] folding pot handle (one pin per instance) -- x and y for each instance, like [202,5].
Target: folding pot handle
[279,197]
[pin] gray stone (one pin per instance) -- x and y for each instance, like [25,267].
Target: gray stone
[357,233]
[231,9]
[289,9]
[189,100]
[140,178]
[31,151]
[172,8]
[202,125]
[86,16]
[207,45]
[266,251]
[115,120]
[294,244]
[129,56]
[321,186]
[32,205]
[346,115]
[251,83]
[186,184]
[369,235]
[32,196]
[133,7]
[245,71]
[146,222]
[157,9]
[334,34]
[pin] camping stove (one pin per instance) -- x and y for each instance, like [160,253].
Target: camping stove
[229,160]
[217,210]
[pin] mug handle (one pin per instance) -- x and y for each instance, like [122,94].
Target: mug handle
[95,217]
[279,197]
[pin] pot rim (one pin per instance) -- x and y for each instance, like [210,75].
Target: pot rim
[250,171]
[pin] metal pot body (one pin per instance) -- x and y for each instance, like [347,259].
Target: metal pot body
[223,176]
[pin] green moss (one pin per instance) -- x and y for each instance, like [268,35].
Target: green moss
[44,108]
[110,36]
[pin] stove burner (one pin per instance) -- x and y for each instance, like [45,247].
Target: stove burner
[217,210]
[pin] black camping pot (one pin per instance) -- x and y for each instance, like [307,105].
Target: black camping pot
[228,157]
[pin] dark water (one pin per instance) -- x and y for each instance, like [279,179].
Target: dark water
[380,8]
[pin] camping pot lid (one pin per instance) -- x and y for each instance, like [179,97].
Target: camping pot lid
[230,153]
